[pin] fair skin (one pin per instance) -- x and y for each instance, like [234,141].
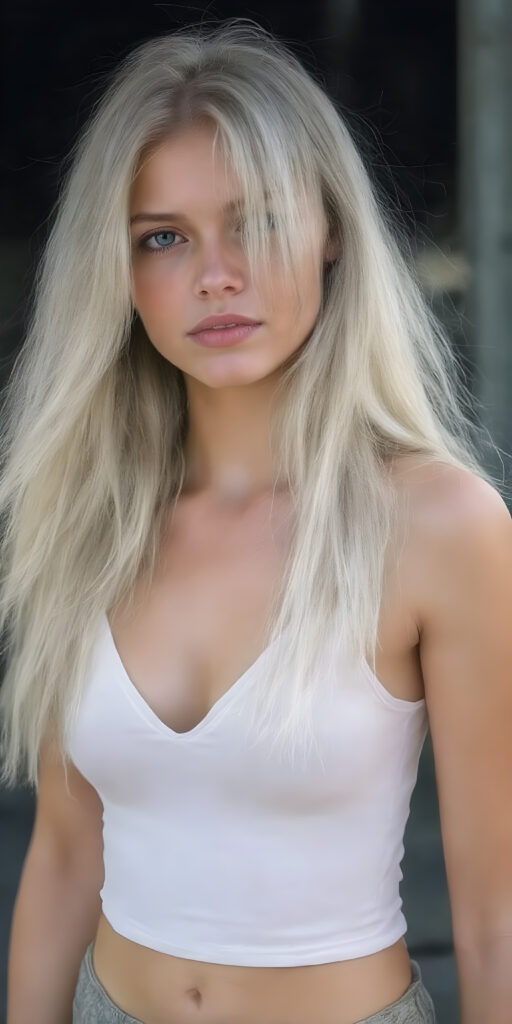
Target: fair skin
[444,624]
[179,279]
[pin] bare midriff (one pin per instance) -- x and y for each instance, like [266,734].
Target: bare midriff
[158,988]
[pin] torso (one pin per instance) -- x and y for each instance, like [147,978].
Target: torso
[205,614]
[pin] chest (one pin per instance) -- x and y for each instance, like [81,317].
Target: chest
[199,628]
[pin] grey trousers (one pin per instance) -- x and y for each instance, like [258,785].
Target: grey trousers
[93,1005]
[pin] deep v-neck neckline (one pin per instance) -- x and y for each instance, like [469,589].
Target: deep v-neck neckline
[151,716]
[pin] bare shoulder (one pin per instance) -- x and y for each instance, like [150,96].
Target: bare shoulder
[454,520]
[442,495]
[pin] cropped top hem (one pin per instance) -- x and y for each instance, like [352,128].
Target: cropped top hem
[247,957]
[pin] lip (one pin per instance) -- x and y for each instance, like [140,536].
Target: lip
[221,319]
[226,336]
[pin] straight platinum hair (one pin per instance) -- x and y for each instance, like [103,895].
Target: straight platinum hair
[94,417]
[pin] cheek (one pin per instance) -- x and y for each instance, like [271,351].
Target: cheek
[151,290]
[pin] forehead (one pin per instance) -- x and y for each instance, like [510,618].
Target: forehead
[183,170]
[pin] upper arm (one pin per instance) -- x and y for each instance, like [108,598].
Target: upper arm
[464,602]
[68,821]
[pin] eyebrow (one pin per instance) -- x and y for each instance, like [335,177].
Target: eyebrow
[157,217]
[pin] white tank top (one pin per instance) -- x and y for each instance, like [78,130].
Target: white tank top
[218,849]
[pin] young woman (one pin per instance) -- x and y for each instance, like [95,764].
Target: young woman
[246,567]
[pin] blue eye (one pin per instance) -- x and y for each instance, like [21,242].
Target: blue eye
[162,239]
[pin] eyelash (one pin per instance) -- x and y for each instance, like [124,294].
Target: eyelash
[142,242]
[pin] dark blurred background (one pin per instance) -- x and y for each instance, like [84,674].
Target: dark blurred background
[426,88]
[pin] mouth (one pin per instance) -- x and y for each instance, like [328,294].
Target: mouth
[221,337]
[219,320]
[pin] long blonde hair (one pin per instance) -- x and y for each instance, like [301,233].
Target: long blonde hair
[94,417]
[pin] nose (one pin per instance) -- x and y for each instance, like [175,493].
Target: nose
[220,269]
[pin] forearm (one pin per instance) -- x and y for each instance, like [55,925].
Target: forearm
[484,972]
[55,917]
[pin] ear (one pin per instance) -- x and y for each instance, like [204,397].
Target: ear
[332,250]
